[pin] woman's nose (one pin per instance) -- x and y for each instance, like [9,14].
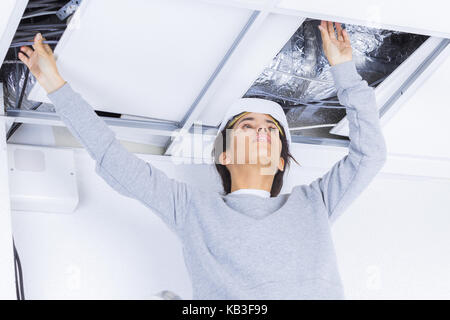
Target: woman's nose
[259,129]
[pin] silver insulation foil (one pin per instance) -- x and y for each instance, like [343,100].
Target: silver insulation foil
[17,83]
[299,76]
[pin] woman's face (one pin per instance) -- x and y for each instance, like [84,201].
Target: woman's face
[255,140]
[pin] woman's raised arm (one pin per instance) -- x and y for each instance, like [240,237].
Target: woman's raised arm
[345,181]
[121,169]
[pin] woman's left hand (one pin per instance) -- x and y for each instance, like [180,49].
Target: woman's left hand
[337,49]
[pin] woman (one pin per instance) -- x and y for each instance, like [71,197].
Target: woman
[250,243]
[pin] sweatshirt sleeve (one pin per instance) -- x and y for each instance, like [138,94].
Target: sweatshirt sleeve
[346,180]
[121,169]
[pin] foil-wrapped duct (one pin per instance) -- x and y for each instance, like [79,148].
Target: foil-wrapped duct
[17,83]
[299,77]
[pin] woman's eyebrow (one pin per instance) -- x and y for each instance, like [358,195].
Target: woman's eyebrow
[251,118]
[243,119]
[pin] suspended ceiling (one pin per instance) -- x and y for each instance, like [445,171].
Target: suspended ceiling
[232,40]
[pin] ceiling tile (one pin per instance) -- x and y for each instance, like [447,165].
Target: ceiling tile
[146,58]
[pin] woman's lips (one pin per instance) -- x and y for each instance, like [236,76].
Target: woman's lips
[263,138]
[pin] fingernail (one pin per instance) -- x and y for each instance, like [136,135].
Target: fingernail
[39,36]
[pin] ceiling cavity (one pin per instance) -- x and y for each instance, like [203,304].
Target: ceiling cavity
[299,76]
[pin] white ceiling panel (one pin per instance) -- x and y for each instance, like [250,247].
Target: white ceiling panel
[415,16]
[146,58]
[10,14]
[421,127]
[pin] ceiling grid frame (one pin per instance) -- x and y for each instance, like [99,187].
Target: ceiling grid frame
[249,30]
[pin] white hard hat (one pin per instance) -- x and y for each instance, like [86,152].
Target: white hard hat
[260,106]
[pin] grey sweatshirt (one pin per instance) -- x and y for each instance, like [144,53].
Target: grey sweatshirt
[243,246]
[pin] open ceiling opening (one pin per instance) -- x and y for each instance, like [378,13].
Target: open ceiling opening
[299,77]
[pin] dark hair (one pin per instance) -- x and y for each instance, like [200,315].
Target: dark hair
[220,145]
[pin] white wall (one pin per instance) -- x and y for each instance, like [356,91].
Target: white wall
[391,243]
[111,247]
[7,280]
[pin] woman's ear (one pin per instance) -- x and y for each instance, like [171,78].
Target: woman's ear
[281,164]
[223,159]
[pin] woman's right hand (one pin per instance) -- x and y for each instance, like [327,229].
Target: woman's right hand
[337,50]
[42,64]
